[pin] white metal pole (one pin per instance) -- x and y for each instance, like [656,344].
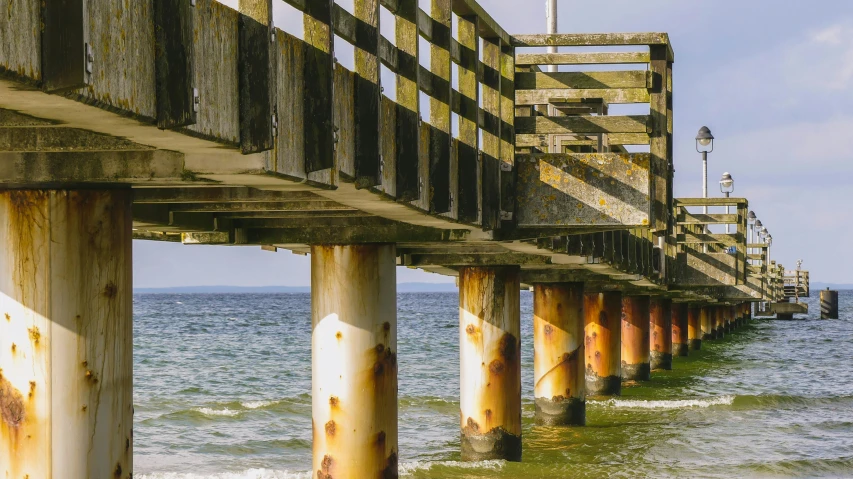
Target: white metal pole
[551,17]
[727,212]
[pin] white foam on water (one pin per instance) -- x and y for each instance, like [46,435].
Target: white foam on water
[248,474]
[673,404]
[409,468]
[257,404]
[216,412]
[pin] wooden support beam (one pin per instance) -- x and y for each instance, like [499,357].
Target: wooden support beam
[218,194]
[490,164]
[318,79]
[468,146]
[617,139]
[41,169]
[257,76]
[469,259]
[256,206]
[173,54]
[440,146]
[507,133]
[566,125]
[583,80]
[528,59]
[367,95]
[398,232]
[661,135]
[408,104]
[609,96]
[65,49]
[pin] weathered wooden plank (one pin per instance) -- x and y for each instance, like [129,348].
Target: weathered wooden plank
[609,96]
[388,148]
[121,37]
[217,194]
[618,139]
[709,238]
[256,74]
[318,78]
[468,162]
[583,80]
[621,58]
[507,129]
[440,140]
[685,218]
[709,202]
[174,52]
[216,75]
[20,39]
[560,125]
[344,121]
[578,190]
[398,232]
[289,156]
[408,105]
[589,39]
[367,96]
[488,27]
[661,135]
[63,45]
[38,169]
[490,162]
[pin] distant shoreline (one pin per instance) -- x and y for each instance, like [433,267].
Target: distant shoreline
[401,288]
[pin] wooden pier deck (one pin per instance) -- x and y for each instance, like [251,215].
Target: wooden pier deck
[226,130]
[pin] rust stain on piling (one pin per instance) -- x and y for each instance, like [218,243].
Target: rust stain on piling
[326,468]
[331,428]
[12,407]
[35,335]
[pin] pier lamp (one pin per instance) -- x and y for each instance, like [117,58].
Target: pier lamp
[705,145]
[750,219]
[727,187]
[769,240]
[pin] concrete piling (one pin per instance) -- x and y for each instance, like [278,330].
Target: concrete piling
[490,363]
[66,365]
[680,331]
[828,304]
[354,360]
[694,328]
[718,322]
[603,343]
[660,313]
[706,320]
[558,354]
[635,338]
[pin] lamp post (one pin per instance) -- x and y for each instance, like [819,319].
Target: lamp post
[727,186]
[704,145]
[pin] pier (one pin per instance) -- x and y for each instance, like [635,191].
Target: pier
[188,121]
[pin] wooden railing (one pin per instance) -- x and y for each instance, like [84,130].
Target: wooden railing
[706,258]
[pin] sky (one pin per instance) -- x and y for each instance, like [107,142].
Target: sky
[773,80]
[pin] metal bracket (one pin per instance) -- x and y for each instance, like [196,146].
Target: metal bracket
[274,122]
[196,100]
[506,216]
[506,166]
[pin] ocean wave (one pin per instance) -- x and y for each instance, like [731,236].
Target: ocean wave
[217,412]
[258,404]
[408,468]
[665,404]
[247,474]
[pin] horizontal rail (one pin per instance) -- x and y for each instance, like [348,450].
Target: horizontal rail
[613,139]
[609,96]
[583,80]
[709,219]
[558,125]
[710,201]
[529,59]
[589,39]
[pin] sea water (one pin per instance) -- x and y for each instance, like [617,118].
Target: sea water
[222,389]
